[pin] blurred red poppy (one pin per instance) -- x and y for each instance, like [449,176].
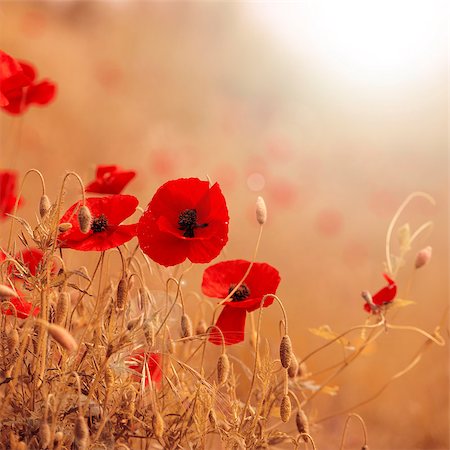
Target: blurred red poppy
[105,231]
[12,78]
[110,180]
[186,219]
[21,89]
[220,279]
[8,196]
[146,364]
[33,259]
[23,308]
[384,296]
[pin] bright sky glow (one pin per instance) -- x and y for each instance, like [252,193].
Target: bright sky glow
[380,41]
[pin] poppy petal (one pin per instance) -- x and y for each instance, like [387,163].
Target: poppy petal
[232,324]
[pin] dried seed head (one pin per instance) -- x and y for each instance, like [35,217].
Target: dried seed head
[285,408]
[286,351]
[84,219]
[186,326]
[158,425]
[109,377]
[81,433]
[122,294]
[149,332]
[12,341]
[62,307]
[201,327]
[6,292]
[423,257]
[261,211]
[62,337]
[293,367]
[302,422]
[212,418]
[44,206]
[44,434]
[63,227]
[223,368]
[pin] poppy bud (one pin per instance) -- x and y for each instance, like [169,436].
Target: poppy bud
[62,337]
[293,368]
[261,211]
[423,257]
[6,292]
[367,297]
[201,327]
[63,227]
[285,408]
[59,436]
[84,219]
[302,422]
[223,368]
[186,326]
[44,206]
[286,351]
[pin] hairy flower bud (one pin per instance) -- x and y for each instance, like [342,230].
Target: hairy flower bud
[44,206]
[84,219]
[423,257]
[286,351]
[261,211]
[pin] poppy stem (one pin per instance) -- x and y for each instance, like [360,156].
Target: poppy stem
[16,205]
[394,221]
[399,374]
[344,432]
[310,439]
[231,293]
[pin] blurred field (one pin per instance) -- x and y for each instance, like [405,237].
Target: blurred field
[195,89]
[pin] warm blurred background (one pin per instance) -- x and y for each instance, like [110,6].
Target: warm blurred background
[333,111]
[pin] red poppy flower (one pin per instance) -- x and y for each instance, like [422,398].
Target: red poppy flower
[8,196]
[384,296]
[32,258]
[105,232]
[146,364]
[220,279]
[23,308]
[12,77]
[23,92]
[186,218]
[110,180]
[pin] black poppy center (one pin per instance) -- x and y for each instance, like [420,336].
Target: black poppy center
[99,224]
[241,293]
[187,221]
